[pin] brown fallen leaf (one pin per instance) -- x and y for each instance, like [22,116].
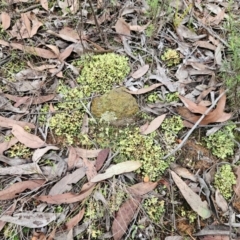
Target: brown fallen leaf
[193,107]
[65,184]
[31,219]
[6,145]
[10,192]
[204,44]
[122,28]
[117,169]
[142,188]
[217,115]
[44,4]
[102,156]
[40,152]
[85,153]
[6,20]
[145,90]
[41,52]
[28,139]
[91,171]
[193,199]
[65,54]
[140,72]
[221,201]
[68,197]
[72,158]
[154,124]
[75,220]
[30,168]
[124,216]
[183,172]
[237,186]
[8,123]
[28,100]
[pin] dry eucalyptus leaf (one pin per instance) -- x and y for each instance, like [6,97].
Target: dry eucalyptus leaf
[154,124]
[40,152]
[31,219]
[30,168]
[6,20]
[8,123]
[117,169]
[122,27]
[193,199]
[65,184]
[12,191]
[28,139]
[141,71]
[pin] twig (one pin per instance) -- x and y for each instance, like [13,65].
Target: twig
[195,125]
[96,21]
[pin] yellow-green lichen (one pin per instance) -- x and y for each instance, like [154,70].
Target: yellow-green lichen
[224,180]
[171,57]
[67,120]
[101,72]
[222,143]
[131,145]
[154,208]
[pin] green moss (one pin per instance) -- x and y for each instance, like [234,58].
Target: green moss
[98,75]
[131,145]
[224,180]
[171,57]
[154,208]
[100,72]
[67,121]
[221,143]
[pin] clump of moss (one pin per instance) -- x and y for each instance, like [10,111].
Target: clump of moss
[100,72]
[67,121]
[19,150]
[131,145]
[98,75]
[154,208]
[224,180]
[221,143]
[171,57]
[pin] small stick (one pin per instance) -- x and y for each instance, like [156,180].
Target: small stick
[195,125]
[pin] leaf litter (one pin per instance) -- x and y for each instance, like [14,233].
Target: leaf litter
[54,173]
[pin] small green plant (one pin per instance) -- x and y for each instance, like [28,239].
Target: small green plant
[171,57]
[222,143]
[190,215]
[154,208]
[224,180]
[150,30]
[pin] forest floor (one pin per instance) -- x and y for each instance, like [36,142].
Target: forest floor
[119,119]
